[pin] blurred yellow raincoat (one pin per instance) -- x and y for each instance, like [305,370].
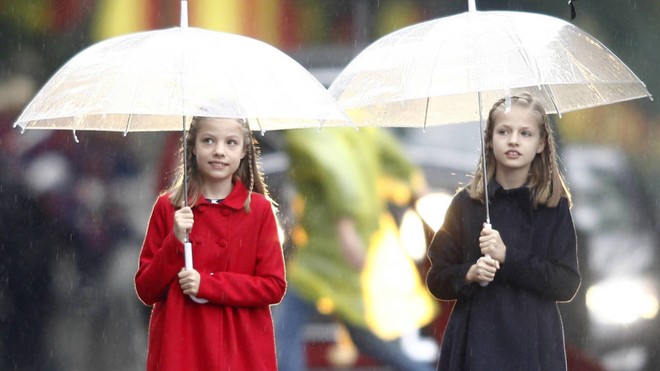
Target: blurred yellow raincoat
[343,172]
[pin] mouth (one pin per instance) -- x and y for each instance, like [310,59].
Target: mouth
[217,164]
[512,154]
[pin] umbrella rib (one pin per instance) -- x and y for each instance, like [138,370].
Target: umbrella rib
[523,54]
[260,128]
[583,70]
[77,120]
[128,124]
[426,112]
[553,99]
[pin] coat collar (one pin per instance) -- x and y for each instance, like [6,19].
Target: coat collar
[234,200]
[495,189]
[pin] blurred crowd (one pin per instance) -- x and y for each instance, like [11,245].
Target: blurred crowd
[72,215]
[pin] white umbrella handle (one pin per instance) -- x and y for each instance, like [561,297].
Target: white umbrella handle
[184,13]
[187,253]
[472,6]
[487,226]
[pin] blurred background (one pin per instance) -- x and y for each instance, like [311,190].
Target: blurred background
[73,215]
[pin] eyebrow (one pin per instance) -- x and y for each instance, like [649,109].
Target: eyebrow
[507,126]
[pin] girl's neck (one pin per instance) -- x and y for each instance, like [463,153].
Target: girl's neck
[219,190]
[510,179]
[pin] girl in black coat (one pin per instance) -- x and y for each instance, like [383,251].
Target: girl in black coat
[506,279]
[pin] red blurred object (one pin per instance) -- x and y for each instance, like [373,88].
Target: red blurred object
[580,361]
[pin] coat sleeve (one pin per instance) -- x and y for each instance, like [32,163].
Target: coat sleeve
[265,286]
[161,257]
[446,277]
[556,275]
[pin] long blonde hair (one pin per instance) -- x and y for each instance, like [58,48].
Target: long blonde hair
[249,170]
[545,179]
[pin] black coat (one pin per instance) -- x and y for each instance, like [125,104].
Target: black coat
[513,323]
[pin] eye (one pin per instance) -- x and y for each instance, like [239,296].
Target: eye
[501,131]
[207,140]
[526,133]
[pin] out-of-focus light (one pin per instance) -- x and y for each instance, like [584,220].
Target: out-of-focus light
[281,233]
[413,237]
[622,301]
[433,207]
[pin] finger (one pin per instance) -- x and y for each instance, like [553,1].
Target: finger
[184,275]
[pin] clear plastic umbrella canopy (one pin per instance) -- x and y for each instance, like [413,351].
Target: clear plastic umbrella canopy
[452,69]
[148,81]
[441,71]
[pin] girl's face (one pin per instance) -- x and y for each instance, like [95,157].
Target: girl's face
[219,148]
[516,140]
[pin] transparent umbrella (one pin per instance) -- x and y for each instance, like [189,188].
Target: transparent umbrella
[158,80]
[444,70]
[149,81]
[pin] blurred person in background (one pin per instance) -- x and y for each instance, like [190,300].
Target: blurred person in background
[343,178]
[82,187]
[62,212]
[29,240]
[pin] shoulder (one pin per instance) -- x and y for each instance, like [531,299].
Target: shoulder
[563,207]
[462,193]
[564,204]
[462,197]
[560,214]
[259,201]
[164,202]
[461,203]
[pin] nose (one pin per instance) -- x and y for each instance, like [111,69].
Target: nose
[513,139]
[219,149]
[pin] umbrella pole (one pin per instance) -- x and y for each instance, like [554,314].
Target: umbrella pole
[484,173]
[187,245]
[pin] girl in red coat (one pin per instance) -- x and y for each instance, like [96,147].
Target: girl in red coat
[238,262]
[507,280]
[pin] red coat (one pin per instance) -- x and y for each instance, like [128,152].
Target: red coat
[239,258]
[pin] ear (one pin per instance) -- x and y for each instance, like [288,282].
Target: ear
[541,146]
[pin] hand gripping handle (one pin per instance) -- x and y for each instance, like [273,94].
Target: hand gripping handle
[486,226]
[187,252]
